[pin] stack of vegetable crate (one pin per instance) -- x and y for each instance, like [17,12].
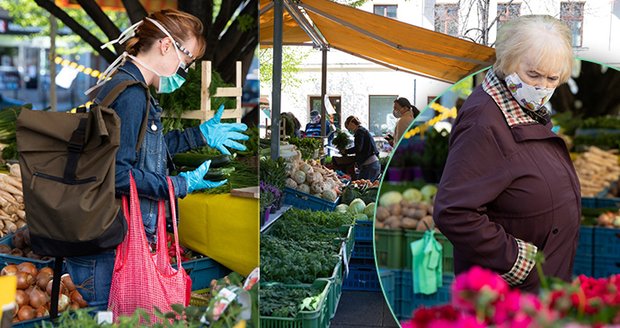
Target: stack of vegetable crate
[402,218]
[302,267]
[598,251]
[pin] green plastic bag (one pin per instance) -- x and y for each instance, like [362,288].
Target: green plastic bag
[427,264]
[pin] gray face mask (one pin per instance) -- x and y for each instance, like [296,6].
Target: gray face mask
[397,113]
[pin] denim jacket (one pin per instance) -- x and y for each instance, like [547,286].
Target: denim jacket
[149,166]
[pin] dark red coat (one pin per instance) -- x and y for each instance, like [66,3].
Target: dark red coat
[503,182]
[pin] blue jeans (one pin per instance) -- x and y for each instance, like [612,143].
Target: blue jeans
[92,274]
[370,172]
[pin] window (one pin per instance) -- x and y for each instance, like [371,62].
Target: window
[571,13]
[386,10]
[506,12]
[315,104]
[381,120]
[447,19]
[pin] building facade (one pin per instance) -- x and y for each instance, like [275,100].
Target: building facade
[367,90]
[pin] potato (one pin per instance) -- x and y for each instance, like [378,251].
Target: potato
[409,212]
[382,213]
[379,225]
[418,214]
[392,222]
[409,223]
[429,222]
[395,209]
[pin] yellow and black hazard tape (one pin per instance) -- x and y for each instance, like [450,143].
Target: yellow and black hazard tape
[444,113]
[80,68]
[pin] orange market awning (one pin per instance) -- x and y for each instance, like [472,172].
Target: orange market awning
[149,5]
[379,39]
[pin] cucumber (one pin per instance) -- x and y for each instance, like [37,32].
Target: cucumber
[219,174]
[195,160]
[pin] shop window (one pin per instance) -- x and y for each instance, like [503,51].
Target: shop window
[447,18]
[315,104]
[386,10]
[381,120]
[571,13]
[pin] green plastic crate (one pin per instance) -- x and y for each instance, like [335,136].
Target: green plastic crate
[318,318]
[388,248]
[335,292]
[448,250]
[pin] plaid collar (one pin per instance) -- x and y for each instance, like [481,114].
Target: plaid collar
[513,113]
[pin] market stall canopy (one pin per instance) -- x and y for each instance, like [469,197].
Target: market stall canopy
[379,39]
[149,5]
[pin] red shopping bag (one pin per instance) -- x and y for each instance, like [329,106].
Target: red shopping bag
[142,279]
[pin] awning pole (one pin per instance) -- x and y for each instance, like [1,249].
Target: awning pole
[323,90]
[276,87]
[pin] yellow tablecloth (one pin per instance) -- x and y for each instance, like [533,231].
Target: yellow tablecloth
[222,227]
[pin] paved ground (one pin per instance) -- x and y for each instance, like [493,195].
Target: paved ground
[362,309]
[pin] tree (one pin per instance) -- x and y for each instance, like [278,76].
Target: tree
[231,26]
[292,57]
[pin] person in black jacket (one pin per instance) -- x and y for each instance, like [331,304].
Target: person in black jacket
[365,150]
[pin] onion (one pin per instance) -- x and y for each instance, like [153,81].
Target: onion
[18,240]
[48,270]
[63,302]
[28,267]
[48,289]
[66,279]
[42,279]
[76,297]
[9,270]
[24,280]
[42,312]
[37,298]
[5,249]
[17,252]
[26,312]
[32,255]
[21,298]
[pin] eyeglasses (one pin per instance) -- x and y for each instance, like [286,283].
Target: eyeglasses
[188,54]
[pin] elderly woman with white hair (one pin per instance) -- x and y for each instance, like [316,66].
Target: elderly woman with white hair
[509,189]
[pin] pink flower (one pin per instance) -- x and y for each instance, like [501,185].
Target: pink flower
[507,307]
[476,285]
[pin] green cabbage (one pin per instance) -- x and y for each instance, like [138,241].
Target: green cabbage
[357,206]
[342,208]
[389,198]
[370,210]
[412,195]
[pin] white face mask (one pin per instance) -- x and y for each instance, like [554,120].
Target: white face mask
[528,96]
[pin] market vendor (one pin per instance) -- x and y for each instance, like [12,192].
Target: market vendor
[313,128]
[405,112]
[509,188]
[365,150]
[159,50]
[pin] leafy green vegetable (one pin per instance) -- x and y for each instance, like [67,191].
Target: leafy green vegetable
[277,300]
[307,146]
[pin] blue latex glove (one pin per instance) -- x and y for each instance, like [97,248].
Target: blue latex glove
[222,135]
[195,179]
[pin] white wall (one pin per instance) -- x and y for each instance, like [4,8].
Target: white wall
[354,79]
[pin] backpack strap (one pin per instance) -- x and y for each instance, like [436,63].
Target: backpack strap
[116,91]
[56,287]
